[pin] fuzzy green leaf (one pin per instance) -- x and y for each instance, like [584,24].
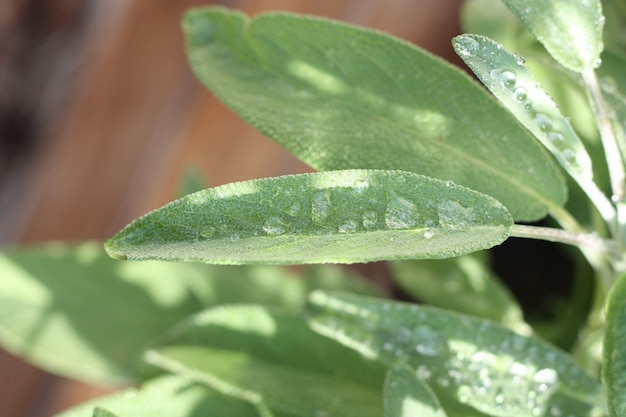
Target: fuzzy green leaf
[467,362]
[168,396]
[336,216]
[570,30]
[75,311]
[405,395]
[341,97]
[614,352]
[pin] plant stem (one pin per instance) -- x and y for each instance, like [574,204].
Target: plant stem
[609,142]
[564,236]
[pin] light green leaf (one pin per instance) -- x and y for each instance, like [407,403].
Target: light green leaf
[73,310]
[271,388]
[405,395]
[340,97]
[570,30]
[168,396]
[469,362]
[614,352]
[336,216]
[101,412]
[465,284]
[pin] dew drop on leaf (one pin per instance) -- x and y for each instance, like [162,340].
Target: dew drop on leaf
[294,209]
[320,206]
[543,121]
[556,139]
[370,219]
[400,213]
[348,227]
[508,79]
[274,226]
[520,94]
[207,231]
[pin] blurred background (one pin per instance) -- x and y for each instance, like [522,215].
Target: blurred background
[100,118]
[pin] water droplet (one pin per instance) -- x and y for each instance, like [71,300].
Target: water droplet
[360,186]
[400,213]
[546,376]
[347,227]
[452,214]
[495,74]
[294,209]
[274,226]
[320,206]
[543,121]
[520,60]
[556,139]
[467,46]
[207,231]
[428,234]
[508,79]
[597,62]
[234,237]
[569,155]
[400,179]
[520,94]
[423,372]
[370,219]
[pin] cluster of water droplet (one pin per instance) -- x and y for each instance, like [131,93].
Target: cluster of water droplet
[544,122]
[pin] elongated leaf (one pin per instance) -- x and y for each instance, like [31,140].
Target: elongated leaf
[468,362]
[465,284]
[570,30]
[168,396]
[338,216]
[268,386]
[614,352]
[75,311]
[507,78]
[342,97]
[405,395]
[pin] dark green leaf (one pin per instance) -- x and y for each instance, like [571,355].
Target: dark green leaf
[342,97]
[614,352]
[337,216]
[468,362]
[405,395]
[101,412]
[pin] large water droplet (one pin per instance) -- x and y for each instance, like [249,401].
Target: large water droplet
[508,79]
[274,226]
[520,94]
[400,213]
[320,206]
[543,121]
[556,139]
[348,227]
[370,219]
[569,155]
[428,234]
[207,231]
[453,214]
[467,46]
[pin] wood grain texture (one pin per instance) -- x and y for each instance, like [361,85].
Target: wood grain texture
[132,120]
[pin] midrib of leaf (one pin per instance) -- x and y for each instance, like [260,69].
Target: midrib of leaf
[260,64]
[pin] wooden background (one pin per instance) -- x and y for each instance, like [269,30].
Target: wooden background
[100,116]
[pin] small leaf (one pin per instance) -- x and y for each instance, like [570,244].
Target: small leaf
[405,395]
[570,30]
[471,362]
[101,412]
[511,82]
[614,352]
[342,97]
[337,216]
[465,284]
[168,396]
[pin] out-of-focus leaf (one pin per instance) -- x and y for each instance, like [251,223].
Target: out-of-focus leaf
[614,352]
[570,30]
[335,216]
[465,284]
[168,396]
[405,395]
[342,97]
[74,311]
[468,362]
[101,412]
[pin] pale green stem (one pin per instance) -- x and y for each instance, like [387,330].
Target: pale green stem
[609,142]
[601,202]
[550,234]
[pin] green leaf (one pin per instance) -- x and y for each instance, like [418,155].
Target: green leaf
[337,216]
[73,310]
[465,284]
[511,82]
[614,352]
[341,97]
[405,395]
[467,362]
[168,396]
[101,412]
[570,30]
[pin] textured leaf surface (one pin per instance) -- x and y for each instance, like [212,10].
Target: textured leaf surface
[469,362]
[168,396]
[273,360]
[614,352]
[570,30]
[405,395]
[465,284]
[507,78]
[75,311]
[337,216]
[342,97]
